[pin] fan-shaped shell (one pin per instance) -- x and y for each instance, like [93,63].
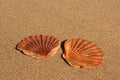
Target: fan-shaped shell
[39,46]
[82,53]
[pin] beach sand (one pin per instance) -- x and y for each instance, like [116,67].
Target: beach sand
[95,20]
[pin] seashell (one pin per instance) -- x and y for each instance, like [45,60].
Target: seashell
[39,46]
[81,53]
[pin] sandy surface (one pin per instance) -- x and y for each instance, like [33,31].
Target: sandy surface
[94,20]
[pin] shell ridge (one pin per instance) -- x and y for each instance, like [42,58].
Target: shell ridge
[77,41]
[52,41]
[37,41]
[28,47]
[54,44]
[96,54]
[47,42]
[34,41]
[85,49]
[57,43]
[93,58]
[44,40]
[81,49]
[94,50]
[84,45]
[80,45]
[71,47]
[30,43]
[77,45]
[41,41]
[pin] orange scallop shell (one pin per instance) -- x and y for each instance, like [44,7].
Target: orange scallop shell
[39,46]
[82,53]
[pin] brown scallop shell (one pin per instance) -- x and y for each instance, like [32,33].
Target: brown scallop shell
[39,46]
[81,53]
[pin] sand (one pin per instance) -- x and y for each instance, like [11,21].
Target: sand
[95,20]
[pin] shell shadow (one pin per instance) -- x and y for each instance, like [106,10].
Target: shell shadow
[62,46]
[18,49]
[63,50]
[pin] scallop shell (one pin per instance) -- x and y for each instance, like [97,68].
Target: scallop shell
[39,46]
[81,53]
